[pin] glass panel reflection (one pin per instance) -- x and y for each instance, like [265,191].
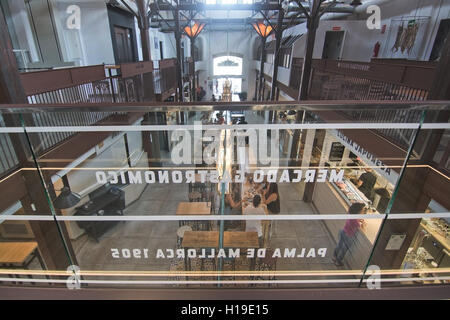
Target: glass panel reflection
[237,198]
[302,250]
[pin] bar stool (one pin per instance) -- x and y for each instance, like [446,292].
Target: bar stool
[213,260]
[195,196]
[180,234]
[268,263]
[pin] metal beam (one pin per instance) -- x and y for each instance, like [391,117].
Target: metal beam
[210,21]
[278,36]
[217,7]
[179,61]
[261,68]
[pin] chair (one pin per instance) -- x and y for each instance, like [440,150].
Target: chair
[195,196]
[180,234]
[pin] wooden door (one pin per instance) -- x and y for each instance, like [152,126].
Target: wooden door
[123,45]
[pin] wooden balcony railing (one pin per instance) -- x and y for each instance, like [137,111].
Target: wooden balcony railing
[383,79]
[122,83]
[133,82]
[296,71]
[377,80]
[70,85]
[166,78]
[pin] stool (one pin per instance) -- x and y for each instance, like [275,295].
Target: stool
[269,263]
[180,234]
[195,196]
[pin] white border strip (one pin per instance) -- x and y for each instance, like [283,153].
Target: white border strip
[400,216]
[435,126]
[307,217]
[174,282]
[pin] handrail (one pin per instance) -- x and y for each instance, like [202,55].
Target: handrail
[43,81]
[415,76]
[167,63]
[50,80]
[154,106]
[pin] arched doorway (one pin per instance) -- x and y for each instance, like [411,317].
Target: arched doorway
[227,67]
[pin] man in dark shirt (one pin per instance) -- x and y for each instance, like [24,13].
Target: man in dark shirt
[366,182]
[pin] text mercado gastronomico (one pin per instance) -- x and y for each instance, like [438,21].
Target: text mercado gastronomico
[252,150]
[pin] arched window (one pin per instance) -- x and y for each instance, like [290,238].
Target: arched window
[227,66]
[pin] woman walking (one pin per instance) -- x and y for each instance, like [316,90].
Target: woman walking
[347,236]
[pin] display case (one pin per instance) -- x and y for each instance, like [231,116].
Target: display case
[350,193]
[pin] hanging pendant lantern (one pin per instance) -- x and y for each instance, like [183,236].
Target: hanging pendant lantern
[194,29]
[262,29]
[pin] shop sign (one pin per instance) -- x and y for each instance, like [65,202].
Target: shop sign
[368,157]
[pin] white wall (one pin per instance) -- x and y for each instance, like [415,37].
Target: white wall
[90,45]
[169,45]
[284,75]
[360,41]
[215,43]
[435,9]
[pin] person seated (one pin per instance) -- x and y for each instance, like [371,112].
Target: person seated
[233,206]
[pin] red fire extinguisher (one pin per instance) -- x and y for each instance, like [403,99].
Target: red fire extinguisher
[376,49]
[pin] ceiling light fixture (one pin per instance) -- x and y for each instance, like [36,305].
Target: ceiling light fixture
[262,29]
[194,29]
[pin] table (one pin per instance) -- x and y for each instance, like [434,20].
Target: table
[199,240]
[193,208]
[239,239]
[16,254]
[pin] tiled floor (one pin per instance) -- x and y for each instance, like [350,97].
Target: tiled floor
[163,200]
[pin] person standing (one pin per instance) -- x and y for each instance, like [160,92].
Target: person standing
[272,201]
[272,198]
[256,208]
[347,236]
[366,183]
